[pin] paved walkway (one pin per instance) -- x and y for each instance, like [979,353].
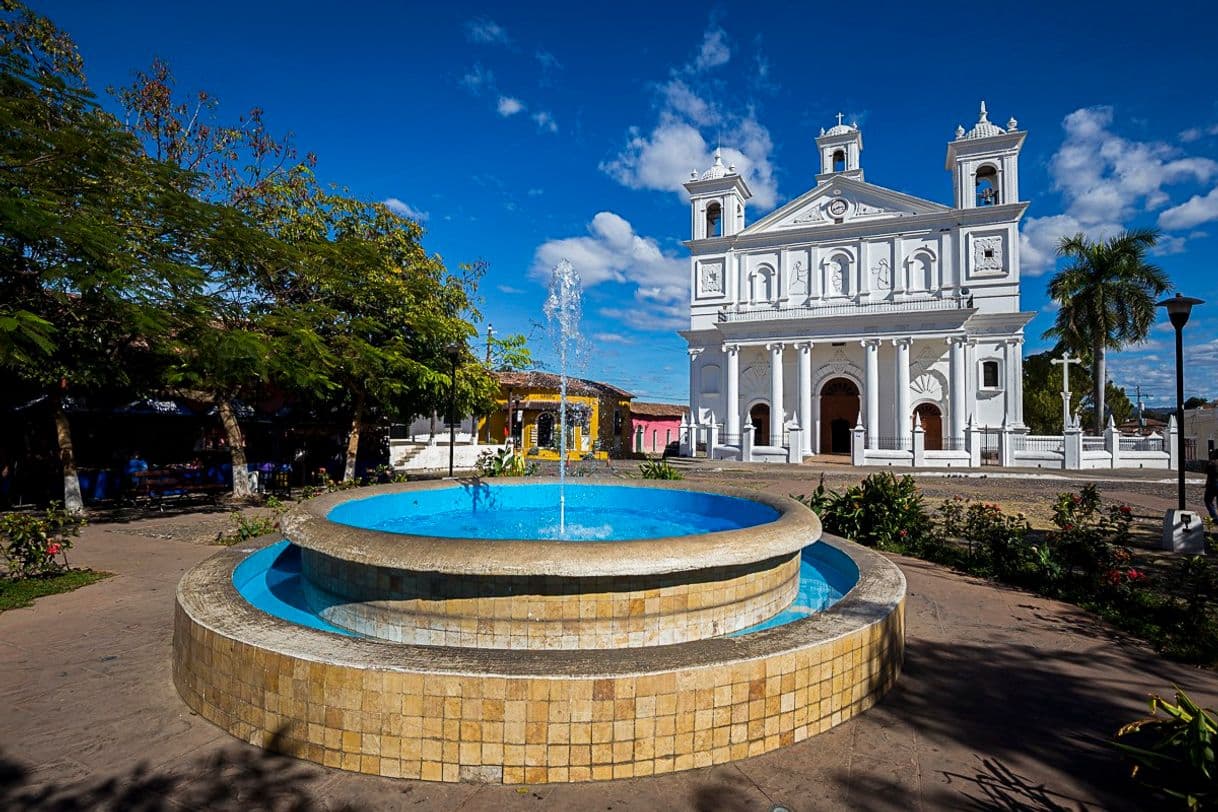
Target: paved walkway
[1006,702]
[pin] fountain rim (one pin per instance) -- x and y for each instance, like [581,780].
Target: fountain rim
[309,527]
[209,598]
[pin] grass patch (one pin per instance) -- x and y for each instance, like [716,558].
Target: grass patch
[21,592]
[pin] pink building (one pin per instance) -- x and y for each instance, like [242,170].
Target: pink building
[656,427]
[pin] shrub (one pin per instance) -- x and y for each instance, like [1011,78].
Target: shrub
[37,545]
[881,511]
[996,541]
[1174,753]
[504,462]
[659,469]
[1091,542]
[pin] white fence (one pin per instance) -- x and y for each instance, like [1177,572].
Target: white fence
[1005,447]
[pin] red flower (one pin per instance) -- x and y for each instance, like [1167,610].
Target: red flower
[904,533]
[1135,574]
[1126,509]
[1067,526]
[53,548]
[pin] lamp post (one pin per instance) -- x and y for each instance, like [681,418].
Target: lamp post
[454,354]
[1178,309]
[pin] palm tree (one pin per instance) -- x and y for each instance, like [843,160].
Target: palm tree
[1107,297]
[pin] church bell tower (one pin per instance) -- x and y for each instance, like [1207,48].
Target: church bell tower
[716,201]
[840,149]
[984,163]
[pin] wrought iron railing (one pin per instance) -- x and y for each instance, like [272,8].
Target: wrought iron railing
[1038,443]
[893,443]
[1142,444]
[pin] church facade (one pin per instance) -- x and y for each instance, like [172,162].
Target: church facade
[858,306]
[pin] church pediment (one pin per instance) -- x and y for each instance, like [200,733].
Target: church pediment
[843,200]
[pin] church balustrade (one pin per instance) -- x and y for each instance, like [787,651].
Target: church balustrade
[771,313]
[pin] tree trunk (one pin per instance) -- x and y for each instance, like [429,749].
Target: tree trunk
[236,447]
[357,423]
[72,500]
[1100,387]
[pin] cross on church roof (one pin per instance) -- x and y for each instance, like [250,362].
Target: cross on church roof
[839,119]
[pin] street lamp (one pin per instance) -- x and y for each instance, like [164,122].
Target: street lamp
[455,351]
[1178,309]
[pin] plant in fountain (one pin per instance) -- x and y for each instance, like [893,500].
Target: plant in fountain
[563,310]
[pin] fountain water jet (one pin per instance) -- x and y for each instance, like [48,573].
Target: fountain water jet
[563,310]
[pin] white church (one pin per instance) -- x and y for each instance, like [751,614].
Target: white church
[857,313]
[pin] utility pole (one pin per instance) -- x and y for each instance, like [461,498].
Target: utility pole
[490,331]
[1065,362]
[1141,419]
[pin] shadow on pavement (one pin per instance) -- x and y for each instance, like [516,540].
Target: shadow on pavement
[234,778]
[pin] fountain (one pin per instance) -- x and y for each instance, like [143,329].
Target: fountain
[563,312]
[444,631]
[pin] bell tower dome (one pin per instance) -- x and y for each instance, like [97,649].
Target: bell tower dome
[840,147]
[984,163]
[716,201]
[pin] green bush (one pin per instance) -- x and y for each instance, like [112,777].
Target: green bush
[659,469]
[881,511]
[504,462]
[36,545]
[1174,753]
[996,542]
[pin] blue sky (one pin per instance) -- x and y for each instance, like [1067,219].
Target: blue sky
[519,133]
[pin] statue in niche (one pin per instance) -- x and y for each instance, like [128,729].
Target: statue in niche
[837,276]
[883,275]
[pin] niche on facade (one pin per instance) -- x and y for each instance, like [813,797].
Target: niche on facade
[838,274]
[762,284]
[921,270]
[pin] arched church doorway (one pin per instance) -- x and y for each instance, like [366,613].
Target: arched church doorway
[839,412]
[759,416]
[932,424]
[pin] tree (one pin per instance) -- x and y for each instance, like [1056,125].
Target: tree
[227,349]
[373,313]
[1042,395]
[1107,300]
[1195,403]
[95,239]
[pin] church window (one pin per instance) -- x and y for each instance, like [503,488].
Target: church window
[987,186]
[839,161]
[714,220]
[989,374]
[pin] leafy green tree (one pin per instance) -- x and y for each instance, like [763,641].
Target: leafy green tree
[1195,403]
[96,239]
[1107,300]
[227,350]
[1042,395]
[380,312]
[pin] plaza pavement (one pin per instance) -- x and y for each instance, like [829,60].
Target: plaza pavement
[1006,702]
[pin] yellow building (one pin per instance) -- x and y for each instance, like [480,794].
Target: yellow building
[598,417]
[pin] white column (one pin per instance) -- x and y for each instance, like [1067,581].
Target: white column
[871,387]
[776,412]
[1014,385]
[805,396]
[694,352]
[957,383]
[903,424]
[733,391]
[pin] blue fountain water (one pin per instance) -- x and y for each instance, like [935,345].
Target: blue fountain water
[593,512]
[270,580]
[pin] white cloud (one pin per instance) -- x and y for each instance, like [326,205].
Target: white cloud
[509,106]
[714,51]
[1104,181]
[509,290]
[485,31]
[545,121]
[612,252]
[1196,210]
[612,338]
[1197,133]
[477,79]
[404,209]
[663,159]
